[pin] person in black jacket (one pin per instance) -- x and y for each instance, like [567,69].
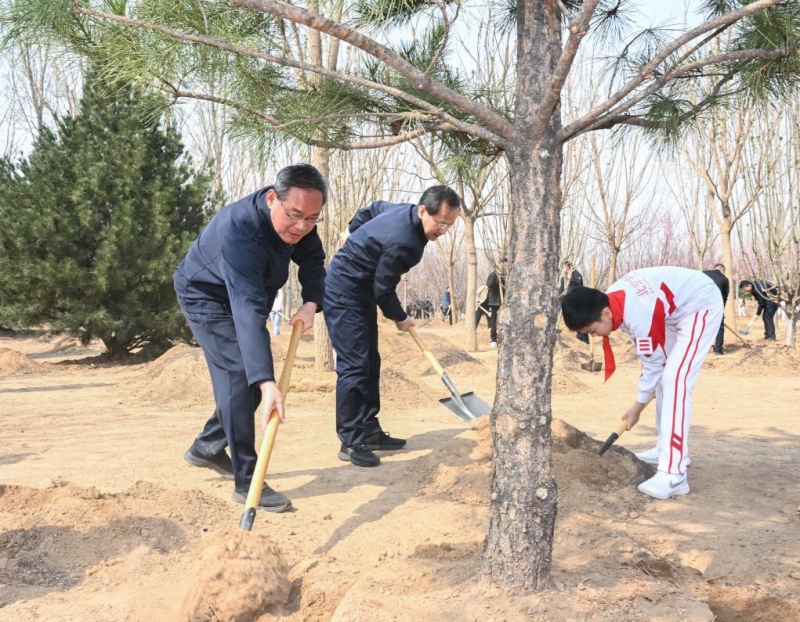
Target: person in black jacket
[386,240]
[226,286]
[721,281]
[570,280]
[496,285]
[766,294]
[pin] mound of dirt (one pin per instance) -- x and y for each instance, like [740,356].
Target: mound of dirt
[13,363]
[565,383]
[178,377]
[768,360]
[461,469]
[397,389]
[59,536]
[240,575]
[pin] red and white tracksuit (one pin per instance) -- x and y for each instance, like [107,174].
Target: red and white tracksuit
[672,316]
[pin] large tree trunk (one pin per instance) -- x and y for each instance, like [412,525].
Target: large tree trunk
[518,547]
[612,265]
[471,342]
[727,259]
[323,350]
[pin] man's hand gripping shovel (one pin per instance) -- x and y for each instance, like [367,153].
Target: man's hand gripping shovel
[254,494]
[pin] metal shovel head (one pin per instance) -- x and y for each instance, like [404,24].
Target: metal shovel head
[744,332]
[473,406]
[592,366]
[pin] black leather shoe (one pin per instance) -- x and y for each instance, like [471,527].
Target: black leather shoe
[220,462]
[270,501]
[359,455]
[383,442]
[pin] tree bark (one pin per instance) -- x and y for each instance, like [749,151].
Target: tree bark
[471,341]
[518,548]
[323,350]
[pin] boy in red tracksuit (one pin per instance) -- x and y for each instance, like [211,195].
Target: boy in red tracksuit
[672,316]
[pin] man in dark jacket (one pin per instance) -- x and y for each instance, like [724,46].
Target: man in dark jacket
[721,281]
[766,294]
[496,285]
[226,285]
[386,241]
[570,280]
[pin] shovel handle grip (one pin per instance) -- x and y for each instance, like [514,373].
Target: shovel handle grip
[271,432]
[428,354]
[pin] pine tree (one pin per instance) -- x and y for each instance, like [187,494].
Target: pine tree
[95,221]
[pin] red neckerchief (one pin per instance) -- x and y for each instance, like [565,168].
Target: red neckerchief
[616,302]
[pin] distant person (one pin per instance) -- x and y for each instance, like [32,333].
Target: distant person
[496,284]
[386,240]
[671,315]
[740,305]
[766,295]
[569,280]
[447,307]
[721,281]
[482,310]
[226,285]
[275,314]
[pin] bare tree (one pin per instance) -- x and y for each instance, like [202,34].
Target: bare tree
[688,190]
[774,220]
[622,175]
[733,174]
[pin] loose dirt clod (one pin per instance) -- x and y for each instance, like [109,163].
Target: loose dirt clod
[239,576]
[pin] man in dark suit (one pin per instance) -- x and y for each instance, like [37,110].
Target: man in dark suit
[721,281]
[766,294]
[226,286]
[386,241]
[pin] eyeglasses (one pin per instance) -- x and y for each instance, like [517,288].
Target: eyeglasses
[299,217]
[443,226]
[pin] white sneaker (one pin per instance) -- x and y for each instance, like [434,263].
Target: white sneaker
[665,485]
[493,344]
[651,457]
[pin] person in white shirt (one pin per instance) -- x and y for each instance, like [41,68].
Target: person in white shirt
[672,316]
[275,314]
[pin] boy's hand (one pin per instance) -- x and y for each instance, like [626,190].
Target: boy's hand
[631,415]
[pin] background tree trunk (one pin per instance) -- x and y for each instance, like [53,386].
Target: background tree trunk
[471,341]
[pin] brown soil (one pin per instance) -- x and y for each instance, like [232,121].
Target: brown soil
[100,518]
[13,362]
[238,577]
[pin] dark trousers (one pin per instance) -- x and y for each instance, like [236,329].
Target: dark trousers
[720,337]
[769,320]
[233,422]
[481,312]
[353,327]
[493,323]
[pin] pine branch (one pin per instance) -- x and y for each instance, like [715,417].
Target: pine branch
[770,55]
[463,126]
[419,79]
[648,71]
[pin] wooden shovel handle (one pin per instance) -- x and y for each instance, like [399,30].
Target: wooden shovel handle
[254,494]
[428,354]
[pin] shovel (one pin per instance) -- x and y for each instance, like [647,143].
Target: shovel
[746,344]
[253,495]
[466,406]
[746,331]
[621,428]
